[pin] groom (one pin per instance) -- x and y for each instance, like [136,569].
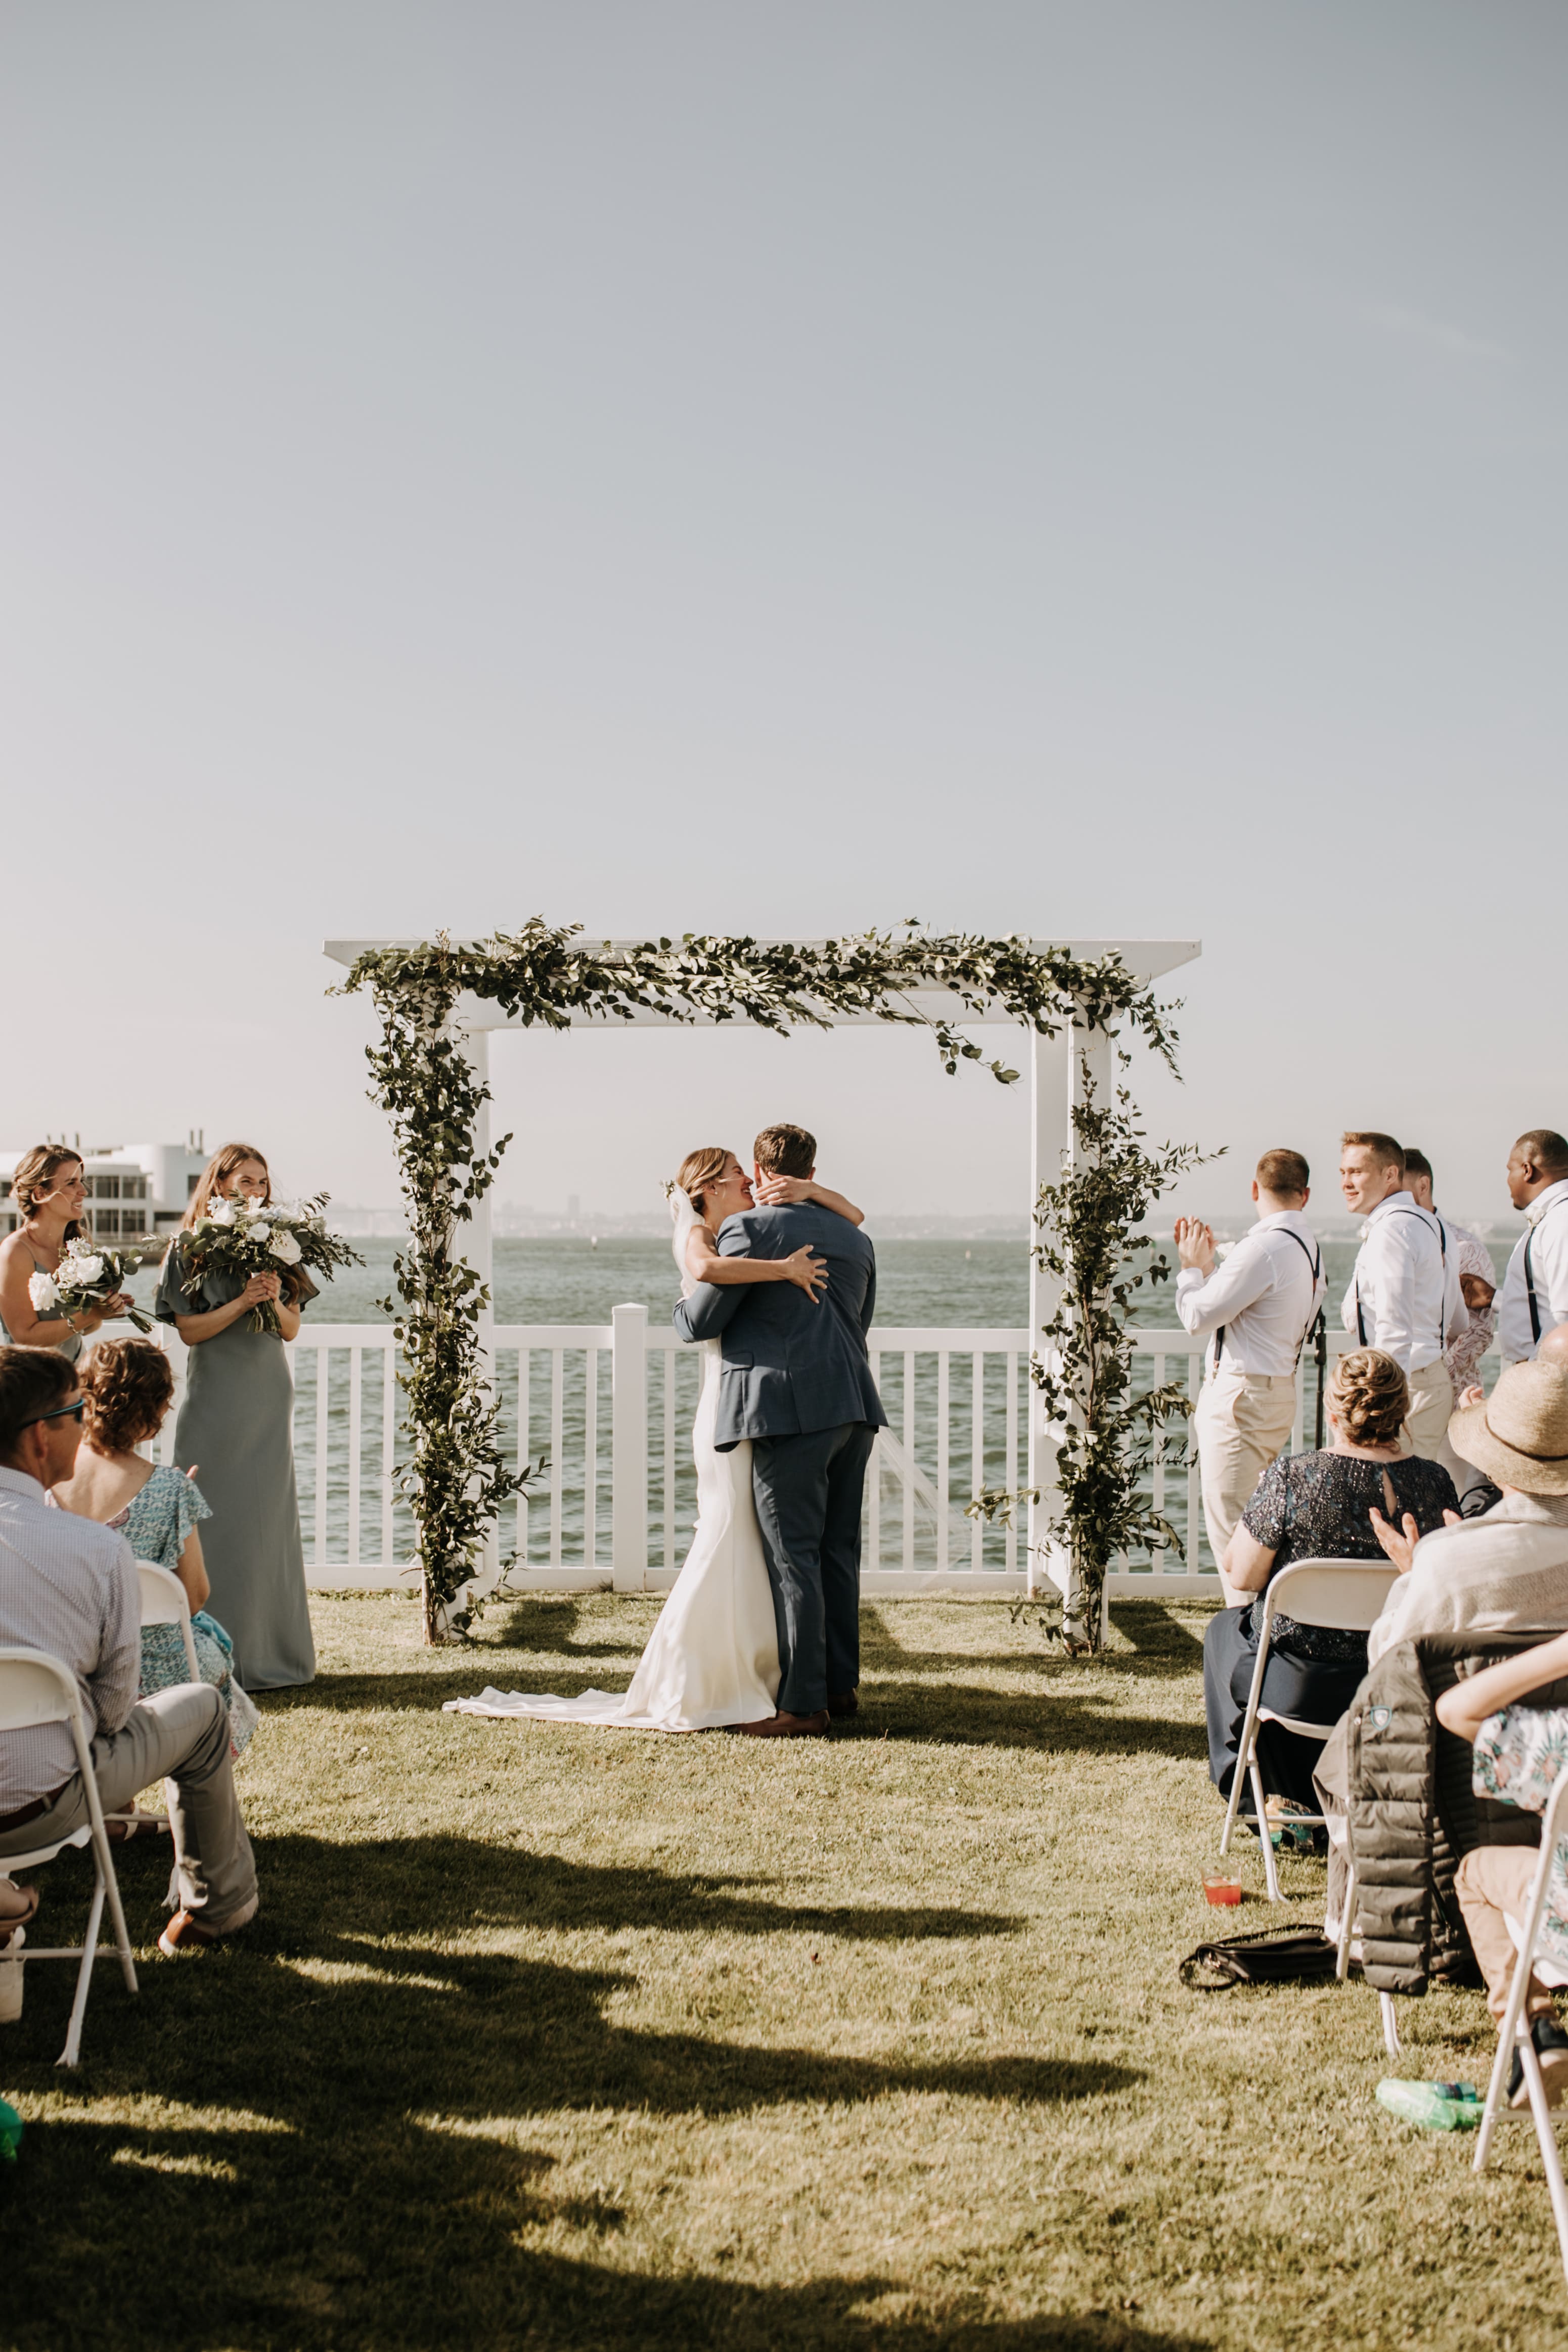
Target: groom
[796,1381]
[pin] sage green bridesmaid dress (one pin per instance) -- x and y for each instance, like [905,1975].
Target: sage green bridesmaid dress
[236,1430]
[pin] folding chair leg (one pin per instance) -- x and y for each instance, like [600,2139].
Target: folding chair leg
[1546,2135]
[1270,1875]
[72,2051]
[1390,2027]
[121,1932]
[1348,1925]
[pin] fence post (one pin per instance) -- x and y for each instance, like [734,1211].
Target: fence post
[629,1448]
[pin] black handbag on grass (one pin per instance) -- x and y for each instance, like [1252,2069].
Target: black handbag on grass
[1268,1956]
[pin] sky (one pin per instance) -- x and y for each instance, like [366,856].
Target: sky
[1085,471]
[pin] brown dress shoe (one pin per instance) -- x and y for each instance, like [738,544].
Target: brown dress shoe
[843,1702]
[185,1932]
[787,1726]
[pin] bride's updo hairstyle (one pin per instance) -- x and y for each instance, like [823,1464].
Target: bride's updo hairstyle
[127,1387]
[1368,1397]
[222,1164]
[700,1168]
[34,1180]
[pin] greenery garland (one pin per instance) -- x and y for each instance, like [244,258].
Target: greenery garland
[457,1478]
[1089,1225]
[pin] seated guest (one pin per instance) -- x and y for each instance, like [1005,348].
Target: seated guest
[128,1386]
[1507,1571]
[1520,1752]
[70,1586]
[1504,1572]
[1315,1505]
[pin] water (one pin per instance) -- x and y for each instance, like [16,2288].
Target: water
[976,1284]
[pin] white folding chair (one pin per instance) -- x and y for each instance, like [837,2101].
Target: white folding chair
[1346,1594]
[164,1602]
[1514,2031]
[37,1688]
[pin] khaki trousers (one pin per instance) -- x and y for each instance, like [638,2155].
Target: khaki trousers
[180,1736]
[1242,1422]
[1431,1408]
[1492,1880]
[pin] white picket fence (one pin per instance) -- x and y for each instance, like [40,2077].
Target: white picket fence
[608,1407]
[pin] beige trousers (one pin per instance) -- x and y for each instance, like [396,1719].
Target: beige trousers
[1493,1880]
[1242,1422]
[1431,1407]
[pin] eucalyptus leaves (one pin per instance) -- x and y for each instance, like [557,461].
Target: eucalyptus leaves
[1088,1226]
[456,1478]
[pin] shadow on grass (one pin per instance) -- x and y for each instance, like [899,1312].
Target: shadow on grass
[1163,1648]
[1055,1718]
[537,1622]
[363,2175]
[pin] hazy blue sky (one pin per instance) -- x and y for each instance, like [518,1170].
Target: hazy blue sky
[1076,469]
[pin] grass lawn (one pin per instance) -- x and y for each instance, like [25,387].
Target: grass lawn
[549,2036]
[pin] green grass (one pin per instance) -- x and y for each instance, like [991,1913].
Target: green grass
[551,2037]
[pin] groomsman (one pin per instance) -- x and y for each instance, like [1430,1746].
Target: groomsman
[1255,1309]
[1535,1287]
[1404,1296]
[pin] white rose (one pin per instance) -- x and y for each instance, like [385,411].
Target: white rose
[86,1270]
[222,1211]
[286,1247]
[42,1292]
[259,1232]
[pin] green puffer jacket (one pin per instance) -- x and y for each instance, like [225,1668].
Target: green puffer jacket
[1413,1813]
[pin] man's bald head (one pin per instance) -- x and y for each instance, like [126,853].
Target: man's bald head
[1553,1348]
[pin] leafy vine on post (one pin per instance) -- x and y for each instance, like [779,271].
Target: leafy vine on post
[1105,1433]
[456,1478]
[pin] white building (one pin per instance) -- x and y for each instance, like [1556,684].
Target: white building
[133,1188]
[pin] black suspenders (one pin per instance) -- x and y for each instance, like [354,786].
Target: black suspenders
[1315,1262]
[1443,1253]
[1529,1275]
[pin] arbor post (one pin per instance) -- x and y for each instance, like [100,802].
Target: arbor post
[1058,1068]
[629,1448]
[479,1252]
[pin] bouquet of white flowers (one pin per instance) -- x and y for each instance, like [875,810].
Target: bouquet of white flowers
[246,1237]
[86,1276]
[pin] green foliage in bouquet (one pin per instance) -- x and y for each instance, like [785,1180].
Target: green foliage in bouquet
[244,1237]
[543,975]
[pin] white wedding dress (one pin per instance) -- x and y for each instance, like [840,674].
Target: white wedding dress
[713,1657]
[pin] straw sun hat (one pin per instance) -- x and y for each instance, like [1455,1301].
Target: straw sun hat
[1520,1435]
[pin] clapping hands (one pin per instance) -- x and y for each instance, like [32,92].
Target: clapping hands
[1195,1244]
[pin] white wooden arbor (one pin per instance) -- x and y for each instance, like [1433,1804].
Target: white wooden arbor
[1057,1067]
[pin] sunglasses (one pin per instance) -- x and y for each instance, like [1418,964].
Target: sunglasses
[59,1412]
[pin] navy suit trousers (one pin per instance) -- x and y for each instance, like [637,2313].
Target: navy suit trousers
[808,1489]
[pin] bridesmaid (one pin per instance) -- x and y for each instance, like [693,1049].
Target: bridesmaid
[236,1426]
[48,1189]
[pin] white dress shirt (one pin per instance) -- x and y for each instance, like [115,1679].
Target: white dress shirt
[70,1586]
[1404,1294]
[1547,1235]
[1263,1297]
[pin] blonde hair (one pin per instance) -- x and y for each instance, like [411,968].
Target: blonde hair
[1368,1397]
[35,1176]
[225,1161]
[702,1168]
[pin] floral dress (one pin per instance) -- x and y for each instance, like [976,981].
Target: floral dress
[1520,1755]
[155,1523]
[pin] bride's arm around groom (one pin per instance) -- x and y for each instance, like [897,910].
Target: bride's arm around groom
[796,1381]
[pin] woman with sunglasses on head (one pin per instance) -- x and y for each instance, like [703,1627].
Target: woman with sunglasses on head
[237,1423]
[49,1189]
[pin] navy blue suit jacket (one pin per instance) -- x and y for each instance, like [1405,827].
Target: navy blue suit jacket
[791,1363]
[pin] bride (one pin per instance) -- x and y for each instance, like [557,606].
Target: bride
[713,1657]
